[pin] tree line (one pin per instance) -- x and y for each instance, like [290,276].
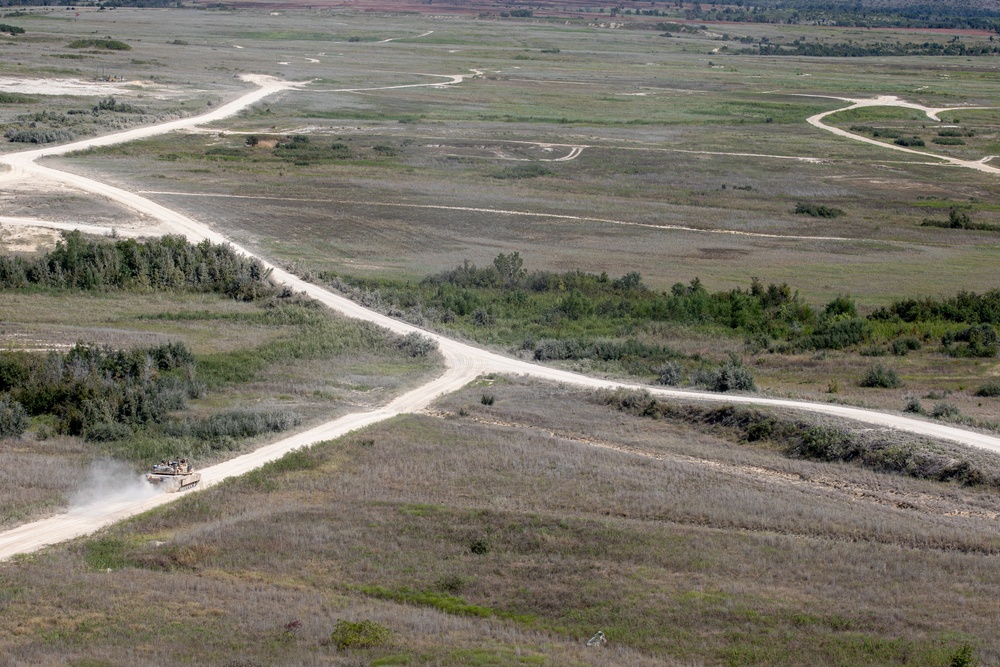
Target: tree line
[170,262]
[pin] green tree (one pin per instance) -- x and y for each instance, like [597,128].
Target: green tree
[510,269]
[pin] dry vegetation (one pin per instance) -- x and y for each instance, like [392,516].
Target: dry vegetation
[509,534]
[522,518]
[261,357]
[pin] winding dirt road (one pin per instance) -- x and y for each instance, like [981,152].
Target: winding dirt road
[463,362]
[893,101]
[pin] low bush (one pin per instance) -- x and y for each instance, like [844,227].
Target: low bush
[945,411]
[234,424]
[818,210]
[96,43]
[881,377]
[731,376]
[909,142]
[989,390]
[669,374]
[14,419]
[802,439]
[522,171]
[903,346]
[948,141]
[38,136]
[359,634]
[416,345]
[980,340]
[15,98]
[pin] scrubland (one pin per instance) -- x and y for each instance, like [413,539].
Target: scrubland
[510,534]
[515,520]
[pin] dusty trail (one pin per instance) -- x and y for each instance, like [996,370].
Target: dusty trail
[464,362]
[893,101]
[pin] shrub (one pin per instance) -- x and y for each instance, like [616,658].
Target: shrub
[487,399]
[913,406]
[94,43]
[881,377]
[945,411]
[522,171]
[909,141]
[416,345]
[669,374]
[980,340]
[235,424]
[11,29]
[107,432]
[818,210]
[359,634]
[989,390]
[15,98]
[731,376]
[38,136]
[902,346]
[948,141]
[963,657]
[13,418]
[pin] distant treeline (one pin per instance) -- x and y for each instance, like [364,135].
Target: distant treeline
[577,315]
[103,3]
[941,14]
[845,50]
[170,262]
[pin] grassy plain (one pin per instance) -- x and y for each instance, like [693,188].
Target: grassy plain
[251,357]
[509,534]
[683,547]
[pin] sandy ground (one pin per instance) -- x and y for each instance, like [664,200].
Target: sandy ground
[464,362]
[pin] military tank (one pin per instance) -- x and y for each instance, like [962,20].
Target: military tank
[173,476]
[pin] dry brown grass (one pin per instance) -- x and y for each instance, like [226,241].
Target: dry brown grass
[682,547]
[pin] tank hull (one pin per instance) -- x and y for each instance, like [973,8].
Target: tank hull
[172,483]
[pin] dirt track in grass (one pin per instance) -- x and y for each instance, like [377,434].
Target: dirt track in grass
[464,362]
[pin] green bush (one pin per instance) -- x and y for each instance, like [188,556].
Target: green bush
[669,374]
[902,346]
[980,340]
[909,141]
[15,98]
[818,210]
[95,43]
[359,634]
[14,419]
[731,376]
[945,411]
[522,171]
[38,136]
[989,390]
[948,141]
[881,377]
[416,345]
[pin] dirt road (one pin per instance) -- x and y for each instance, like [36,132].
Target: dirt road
[892,101]
[464,362]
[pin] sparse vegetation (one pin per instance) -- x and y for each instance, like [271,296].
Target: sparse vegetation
[879,376]
[107,44]
[359,635]
[522,171]
[818,210]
